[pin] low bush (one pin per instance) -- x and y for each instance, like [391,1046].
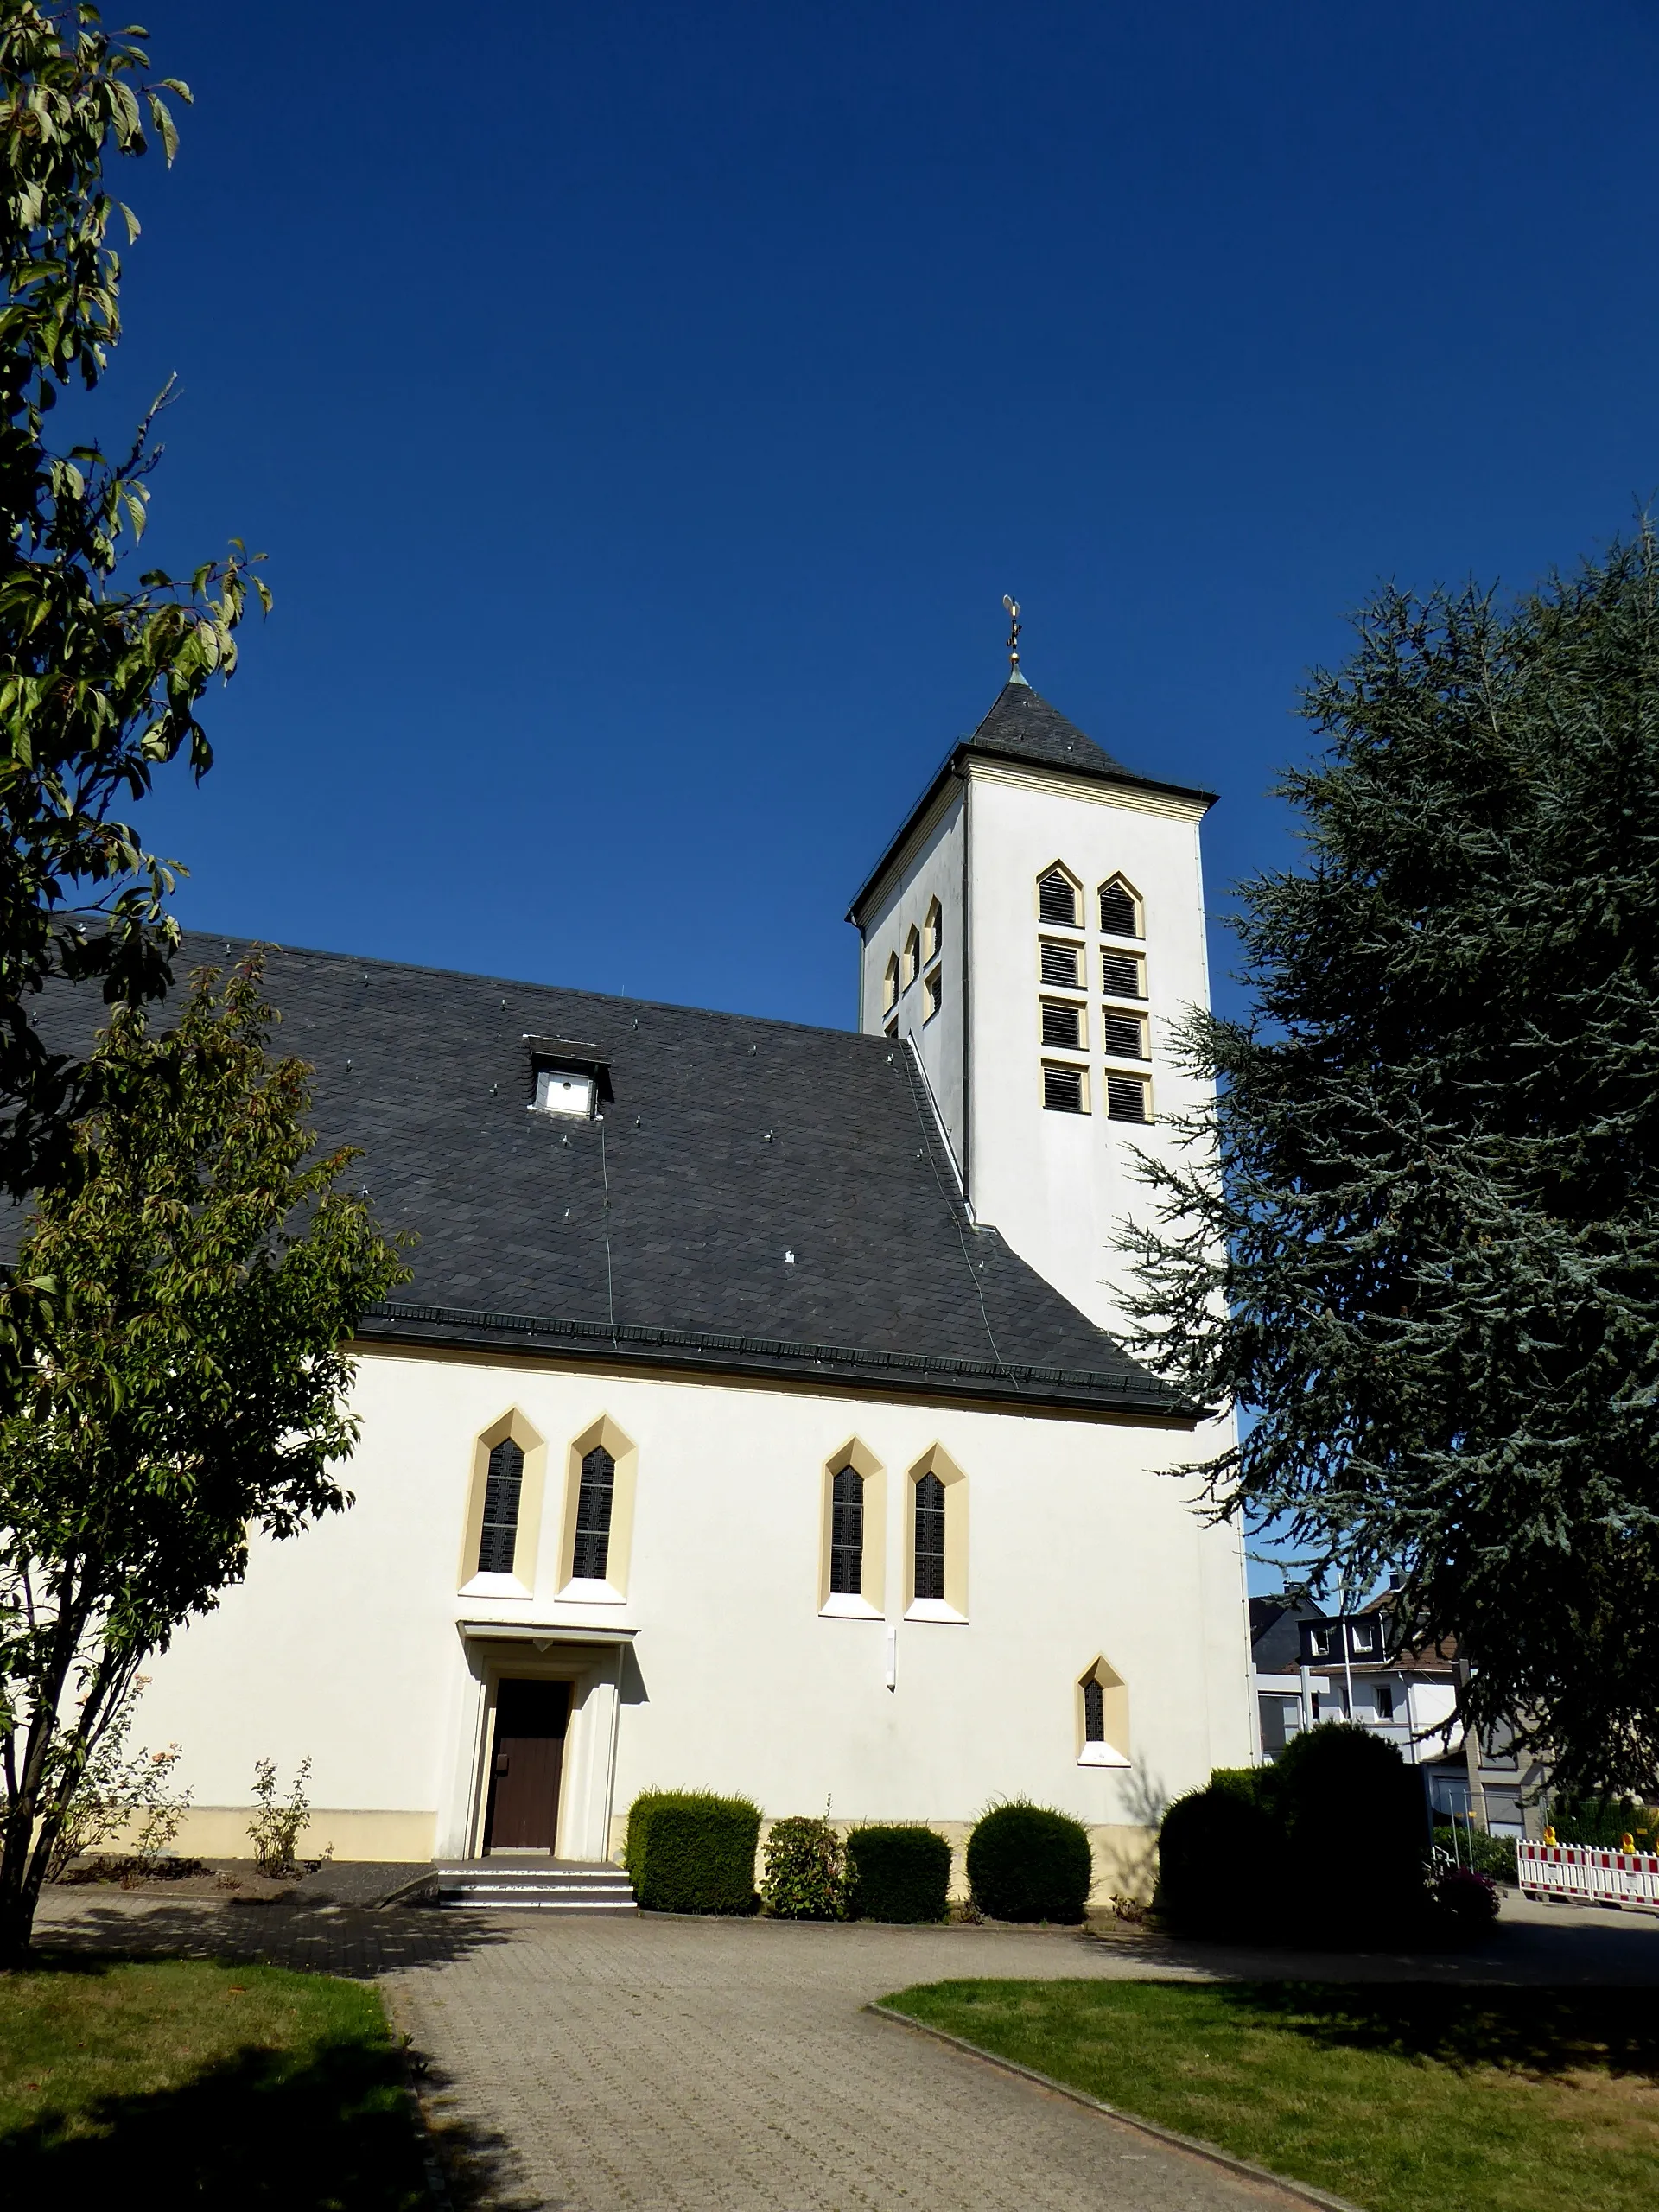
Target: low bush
[1216,1862]
[1469,1901]
[689,1851]
[806,1871]
[1027,1863]
[898,1873]
[1604,1823]
[1492,1855]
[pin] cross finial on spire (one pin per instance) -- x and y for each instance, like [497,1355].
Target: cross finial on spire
[1013,607]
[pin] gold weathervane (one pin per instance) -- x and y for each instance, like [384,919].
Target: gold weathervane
[1013,607]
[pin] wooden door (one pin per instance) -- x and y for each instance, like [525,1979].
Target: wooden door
[530,1725]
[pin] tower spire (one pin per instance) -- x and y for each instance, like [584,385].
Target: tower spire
[1013,607]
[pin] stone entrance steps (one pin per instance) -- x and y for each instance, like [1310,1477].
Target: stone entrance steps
[533,1885]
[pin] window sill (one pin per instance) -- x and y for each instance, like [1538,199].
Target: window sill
[840,1605]
[1101,1755]
[935,1609]
[495,1585]
[584,1591]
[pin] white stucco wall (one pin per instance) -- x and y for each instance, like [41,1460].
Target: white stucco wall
[930,868]
[343,1643]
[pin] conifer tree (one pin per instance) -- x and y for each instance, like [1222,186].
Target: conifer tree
[1416,1241]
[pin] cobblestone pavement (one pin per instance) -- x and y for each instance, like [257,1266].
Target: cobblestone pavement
[664,2065]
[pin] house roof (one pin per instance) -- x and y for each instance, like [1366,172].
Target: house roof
[1023,726]
[757,1197]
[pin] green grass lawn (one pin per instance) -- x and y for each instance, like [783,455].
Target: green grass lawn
[1396,2097]
[182,2083]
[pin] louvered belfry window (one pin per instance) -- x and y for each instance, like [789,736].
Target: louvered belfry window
[1126,1099]
[503,1486]
[1094,1712]
[1063,1090]
[1123,1035]
[1062,1026]
[930,1538]
[1120,972]
[847,1534]
[1060,966]
[1117,916]
[1056,901]
[594,1516]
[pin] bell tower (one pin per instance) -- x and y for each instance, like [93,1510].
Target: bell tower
[1034,932]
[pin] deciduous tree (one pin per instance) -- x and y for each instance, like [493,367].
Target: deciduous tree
[184,1384]
[100,680]
[1416,1241]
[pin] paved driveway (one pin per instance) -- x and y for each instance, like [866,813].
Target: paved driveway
[661,2065]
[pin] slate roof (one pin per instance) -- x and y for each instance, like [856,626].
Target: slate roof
[1021,725]
[659,1234]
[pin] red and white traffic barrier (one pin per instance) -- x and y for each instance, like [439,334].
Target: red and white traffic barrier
[1587,1874]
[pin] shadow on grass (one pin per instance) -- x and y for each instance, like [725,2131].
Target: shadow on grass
[332,2132]
[1542,2032]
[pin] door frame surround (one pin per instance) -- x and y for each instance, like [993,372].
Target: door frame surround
[591,1661]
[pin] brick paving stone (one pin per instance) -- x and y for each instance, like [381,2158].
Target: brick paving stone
[658,2064]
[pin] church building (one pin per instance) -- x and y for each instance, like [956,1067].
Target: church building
[757,1420]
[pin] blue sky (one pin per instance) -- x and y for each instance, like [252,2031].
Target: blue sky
[645,408]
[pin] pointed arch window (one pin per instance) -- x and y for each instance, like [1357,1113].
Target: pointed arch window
[932,932]
[1120,909]
[930,1539]
[595,1500]
[847,1534]
[890,984]
[1103,1716]
[1057,898]
[912,967]
[503,1486]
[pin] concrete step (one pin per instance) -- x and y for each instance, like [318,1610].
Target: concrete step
[536,1886]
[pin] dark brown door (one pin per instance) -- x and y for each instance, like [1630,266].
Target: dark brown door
[530,1722]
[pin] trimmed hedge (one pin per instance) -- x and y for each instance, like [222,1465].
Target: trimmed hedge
[689,1851]
[806,1871]
[898,1873]
[1027,1863]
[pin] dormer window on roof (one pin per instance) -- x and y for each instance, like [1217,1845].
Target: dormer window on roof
[562,1091]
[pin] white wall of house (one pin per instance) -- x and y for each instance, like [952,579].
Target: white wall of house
[343,1644]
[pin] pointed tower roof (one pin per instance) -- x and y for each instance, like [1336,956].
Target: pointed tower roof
[1021,725]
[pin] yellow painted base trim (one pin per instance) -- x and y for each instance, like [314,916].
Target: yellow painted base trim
[222,1831]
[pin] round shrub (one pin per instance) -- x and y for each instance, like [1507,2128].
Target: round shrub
[1356,1833]
[898,1873]
[1218,1850]
[806,1871]
[1027,1863]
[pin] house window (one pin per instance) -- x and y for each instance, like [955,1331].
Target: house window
[503,1489]
[594,1503]
[1120,909]
[1384,1694]
[1057,899]
[933,933]
[1094,1712]
[1063,1090]
[1062,1026]
[1126,1099]
[1124,1035]
[1123,974]
[930,1538]
[912,958]
[847,1534]
[890,984]
[932,994]
[1060,965]
[558,1091]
